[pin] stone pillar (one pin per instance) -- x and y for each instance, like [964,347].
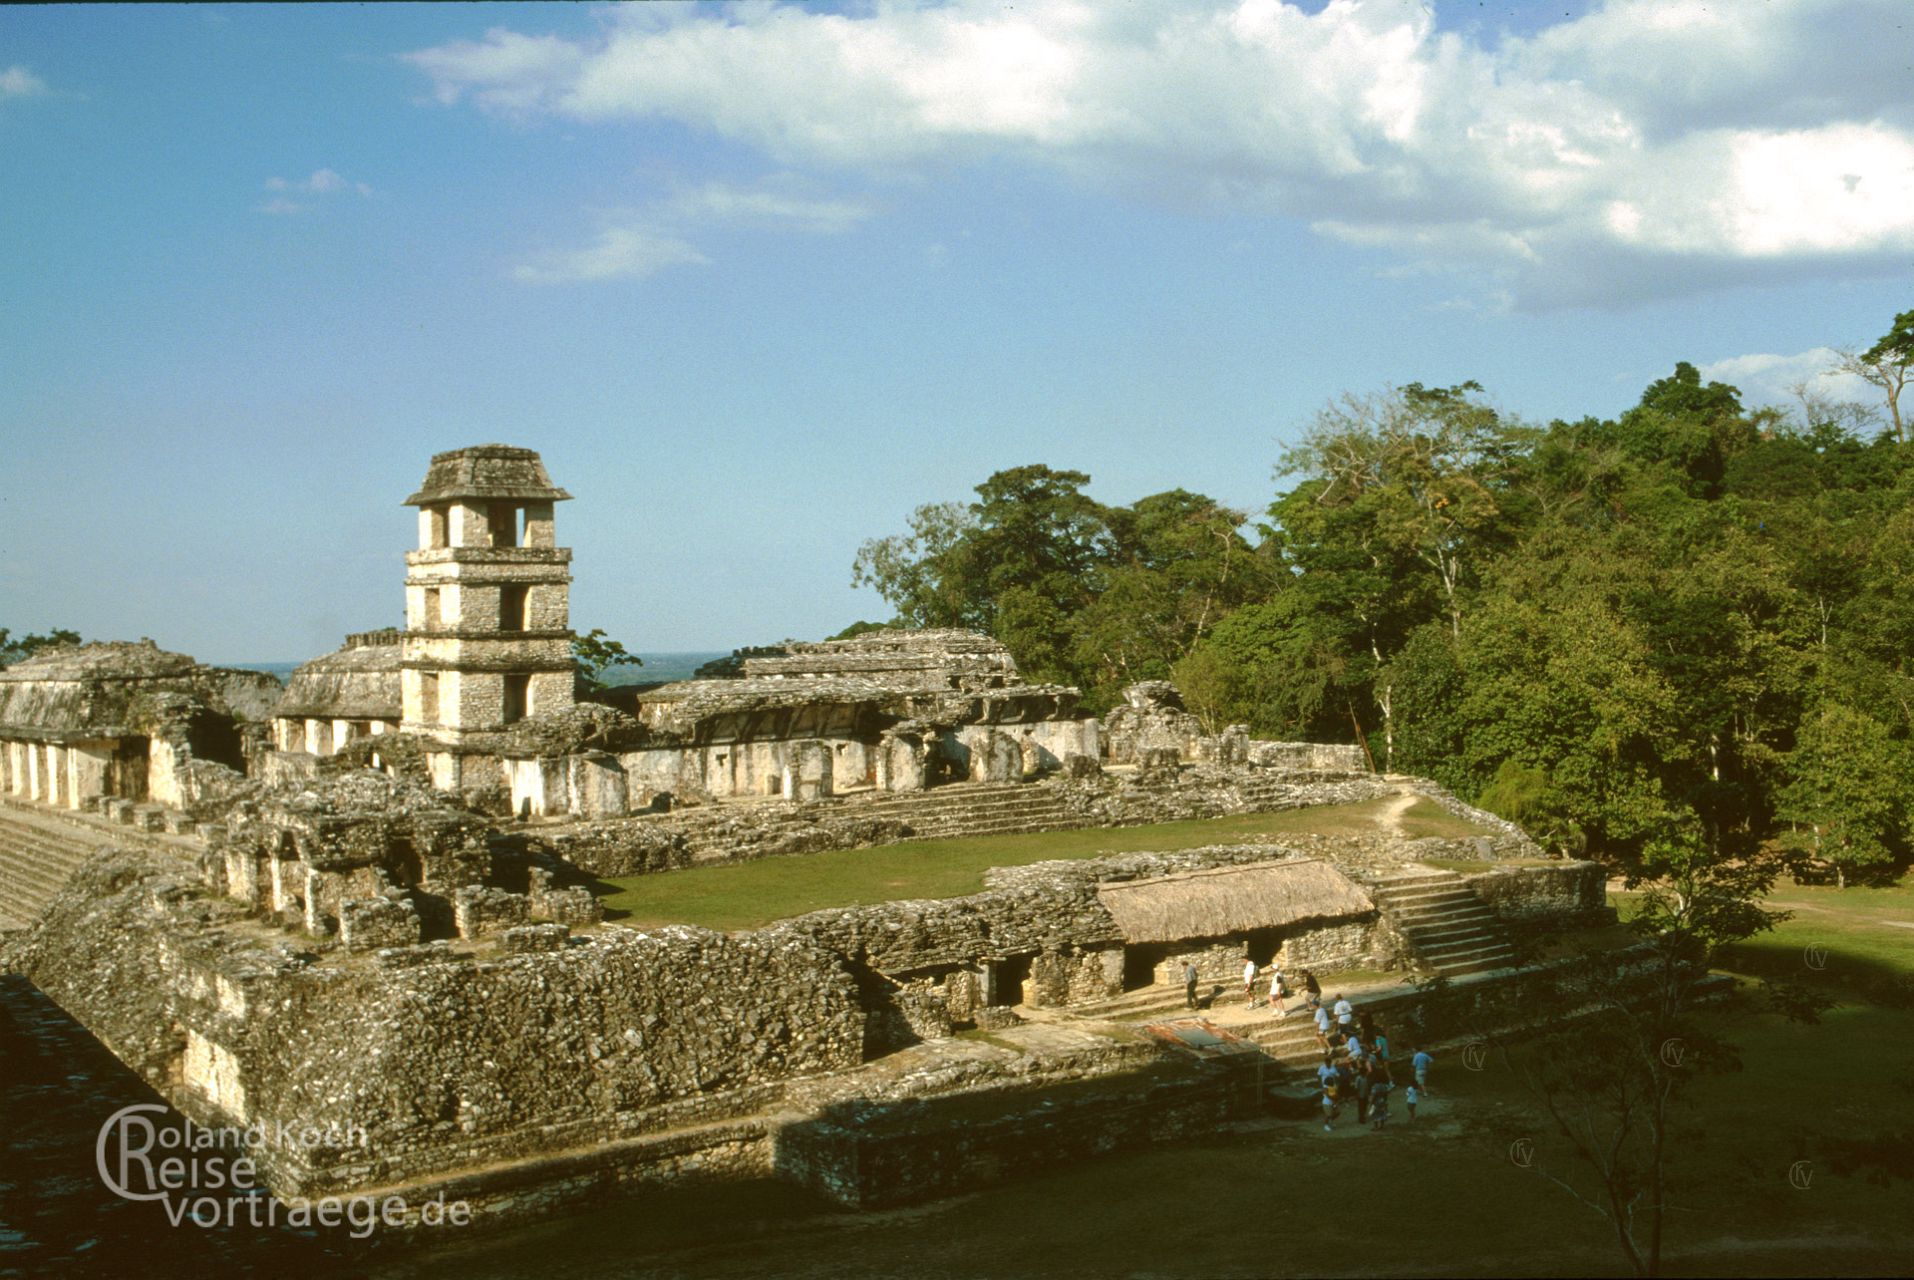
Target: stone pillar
[92,764]
[995,757]
[807,770]
[900,762]
[242,875]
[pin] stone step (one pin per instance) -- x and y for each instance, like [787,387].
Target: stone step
[1433,916]
[37,858]
[1418,896]
[1427,935]
[1463,950]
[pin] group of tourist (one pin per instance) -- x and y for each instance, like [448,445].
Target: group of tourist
[1355,1052]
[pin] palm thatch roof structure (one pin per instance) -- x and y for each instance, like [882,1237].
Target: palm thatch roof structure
[1222,902]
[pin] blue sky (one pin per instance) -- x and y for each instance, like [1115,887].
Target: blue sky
[759,280]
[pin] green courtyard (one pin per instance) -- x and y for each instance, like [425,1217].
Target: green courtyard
[745,895]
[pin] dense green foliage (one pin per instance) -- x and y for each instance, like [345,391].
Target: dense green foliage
[1678,632]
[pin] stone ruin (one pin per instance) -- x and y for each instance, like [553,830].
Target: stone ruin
[130,729]
[441,975]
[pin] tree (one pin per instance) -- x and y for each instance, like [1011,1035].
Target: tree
[17,649]
[1079,592]
[862,628]
[1428,466]
[596,653]
[1181,565]
[1849,789]
[1885,365]
[1608,1043]
[1018,563]
[1690,427]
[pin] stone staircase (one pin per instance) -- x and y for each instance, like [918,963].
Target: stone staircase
[37,855]
[1449,930]
[976,810]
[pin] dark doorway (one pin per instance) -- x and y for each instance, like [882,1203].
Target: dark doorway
[1263,945]
[1004,980]
[129,769]
[1139,965]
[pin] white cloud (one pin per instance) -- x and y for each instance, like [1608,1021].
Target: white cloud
[645,243]
[321,182]
[724,202]
[1771,379]
[1647,147]
[17,82]
[620,253]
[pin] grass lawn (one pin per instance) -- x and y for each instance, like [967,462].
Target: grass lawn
[1856,940]
[745,895]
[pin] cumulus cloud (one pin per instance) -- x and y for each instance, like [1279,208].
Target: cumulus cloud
[321,182]
[17,82]
[1649,146]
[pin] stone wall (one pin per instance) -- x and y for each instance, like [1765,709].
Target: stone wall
[441,1060]
[864,1158]
[1558,891]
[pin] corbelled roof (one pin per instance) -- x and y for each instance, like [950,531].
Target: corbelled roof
[108,689]
[1227,901]
[498,471]
[358,682]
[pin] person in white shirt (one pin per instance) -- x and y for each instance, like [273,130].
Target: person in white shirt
[1249,983]
[1276,992]
[1344,1012]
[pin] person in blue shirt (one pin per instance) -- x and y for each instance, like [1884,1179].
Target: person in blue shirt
[1422,1062]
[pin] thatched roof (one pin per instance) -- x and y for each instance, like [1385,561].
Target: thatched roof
[358,682]
[1226,901]
[487,471]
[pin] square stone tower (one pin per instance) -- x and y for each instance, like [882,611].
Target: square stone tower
[487,608]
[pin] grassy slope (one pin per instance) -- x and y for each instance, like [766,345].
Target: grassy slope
[745,895]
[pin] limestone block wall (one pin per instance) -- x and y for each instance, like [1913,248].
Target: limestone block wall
[1527,893]
[1215,962]
[1337,945]
[732,769]
[1323,757]
[440,1061]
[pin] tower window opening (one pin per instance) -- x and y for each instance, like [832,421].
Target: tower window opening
[503,517]
[514,608]
[518,697]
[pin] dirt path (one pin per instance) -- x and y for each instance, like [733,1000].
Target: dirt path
[1389,817]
